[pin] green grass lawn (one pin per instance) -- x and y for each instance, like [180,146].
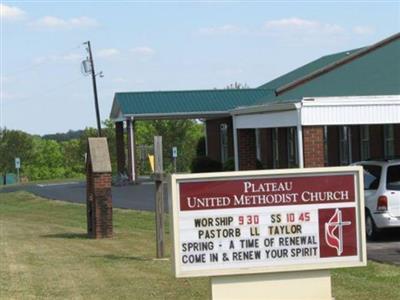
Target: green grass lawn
[44,253]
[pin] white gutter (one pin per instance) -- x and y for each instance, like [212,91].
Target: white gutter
[352,100]
[188,115]
[264,108]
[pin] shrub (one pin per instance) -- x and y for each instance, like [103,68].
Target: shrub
[205,164]
[201,147]
[259,165]
[229,165]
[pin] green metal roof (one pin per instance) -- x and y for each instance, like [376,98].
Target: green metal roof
[306,69]
[375,73]
[175,103]
[373,70]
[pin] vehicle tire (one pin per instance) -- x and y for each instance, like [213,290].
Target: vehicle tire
[371,230]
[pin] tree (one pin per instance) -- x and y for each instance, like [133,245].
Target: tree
[74,160]
[14,143]
[47,160]
[183,134]
[237,86]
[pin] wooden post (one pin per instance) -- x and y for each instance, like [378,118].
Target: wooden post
[130,126]
[158,172]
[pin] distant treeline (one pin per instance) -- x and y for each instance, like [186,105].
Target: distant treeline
[62,137]
[62,155]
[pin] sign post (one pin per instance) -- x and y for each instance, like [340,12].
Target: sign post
[18,166]
[159,175]
[174,156]
[275,233]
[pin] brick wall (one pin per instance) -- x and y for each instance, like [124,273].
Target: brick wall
[266,147]
[119,140]
[283,148]
[313,141]
[213,137]
[397,139]
[247,149]
[355,143]
[333,146]
[376,147]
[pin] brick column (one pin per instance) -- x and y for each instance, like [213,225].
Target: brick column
[98,189]
[119,141]
[247,149]
[313,146]
[102,206]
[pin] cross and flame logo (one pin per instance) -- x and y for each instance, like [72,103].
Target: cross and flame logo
[334,231]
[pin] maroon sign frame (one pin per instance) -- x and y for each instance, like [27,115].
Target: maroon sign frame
[240,222]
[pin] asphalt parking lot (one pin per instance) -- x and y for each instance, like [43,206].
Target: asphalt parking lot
[141,197]
[386,249]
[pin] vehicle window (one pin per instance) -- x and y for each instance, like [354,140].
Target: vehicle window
[393,178]
[372,176]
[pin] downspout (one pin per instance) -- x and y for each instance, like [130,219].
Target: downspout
[300,152]
[205,137]
[235,143]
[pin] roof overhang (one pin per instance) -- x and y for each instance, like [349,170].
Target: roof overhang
[173,116]
[321,111]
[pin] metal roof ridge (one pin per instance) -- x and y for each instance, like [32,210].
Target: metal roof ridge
[336,64]
[196,91]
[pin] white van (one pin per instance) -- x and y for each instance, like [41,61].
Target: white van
[382,195]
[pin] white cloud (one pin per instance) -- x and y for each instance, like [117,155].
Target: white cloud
[119,80]
[11,13]
[5,79]
[230,72]
[59,23]
[290,23]
[69,57]
[143,50]
[281,27]
[363,30]
[224,29]
[83,22]
[108,52]
[301,26]
[11,96]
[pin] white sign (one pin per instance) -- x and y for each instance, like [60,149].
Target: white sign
[174,152]
[267,221]
[17,163]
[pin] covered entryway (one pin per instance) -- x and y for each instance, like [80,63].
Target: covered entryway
[212,106]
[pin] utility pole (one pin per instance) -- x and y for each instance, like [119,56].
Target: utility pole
[96,102]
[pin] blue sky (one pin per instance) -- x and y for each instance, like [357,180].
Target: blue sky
[163,45]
